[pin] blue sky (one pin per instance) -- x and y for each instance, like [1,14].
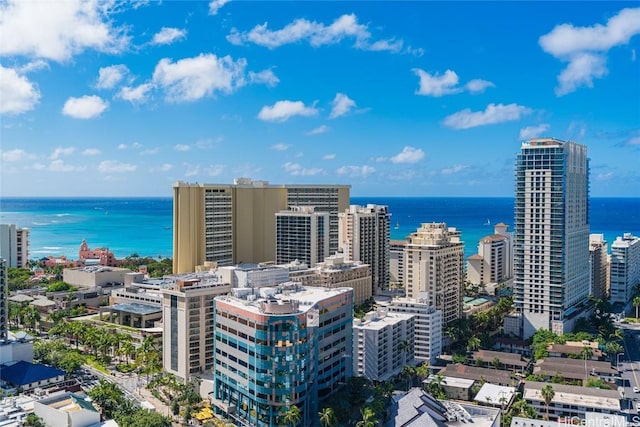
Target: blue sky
[393,98]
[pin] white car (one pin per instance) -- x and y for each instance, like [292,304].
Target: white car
[636,390]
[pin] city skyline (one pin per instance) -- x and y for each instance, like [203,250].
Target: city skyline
[406,99]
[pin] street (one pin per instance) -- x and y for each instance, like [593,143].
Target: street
[630,365]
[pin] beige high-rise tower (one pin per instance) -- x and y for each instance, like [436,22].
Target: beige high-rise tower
[234,223]
[434,268]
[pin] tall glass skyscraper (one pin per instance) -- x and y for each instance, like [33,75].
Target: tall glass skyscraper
[551,238]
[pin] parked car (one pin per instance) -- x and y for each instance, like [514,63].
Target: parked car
[636,390]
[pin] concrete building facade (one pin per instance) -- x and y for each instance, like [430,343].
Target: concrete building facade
[428,326]
[235,223]
[364,236]
[434,268]
[14,245]
[396,261]
[494,261]
[599,266]
[624,268]
[187,321]
[282,348]
[551,239]
[302,234]
[383,344]
[4,303]
[336,272]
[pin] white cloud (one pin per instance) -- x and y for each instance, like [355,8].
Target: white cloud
[191,170]
[168,35]
[330,156]
[86,107]
[494,113]
[214,170]
[317,131]
[533,131]
[165,167]
[267,77]
[318,34]
[122,146]
[453,169]
[15,155]
[150,151]
[356,171]
[109,77]
[604,176]
[91,152]
[58,30]
[585,48]
[61,151]
[59,165]
[635,140]
[341,105]
[408,155]
[136,94]
[215,5]
[191,79]
[437,85]
[280,147]
[181,147]
[30,66]
[19,95]
[283,110]
[447,84]
[296,170]
[113,166]
[478,85]
[581,71]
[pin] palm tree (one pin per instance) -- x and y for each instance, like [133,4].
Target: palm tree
[547,394]
[636,304]
[368,418]
[473,343]
[587,352]
[292,416]
[422,371]
[328,418]
[408,372]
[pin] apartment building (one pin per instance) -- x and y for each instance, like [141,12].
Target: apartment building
[235,223]
[364,236]
[383,344]
[336,272]
[4,303]
[396,261]
[624,268]
[493,262]
[434,267]
[281,348]
[302,234]
[599,266]
[551,239]
[14,245]
[188,322]
[428,326]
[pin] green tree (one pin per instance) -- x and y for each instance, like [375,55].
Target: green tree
[328,418]
[70,361]
[108,396]
[548,394]
[473,343]
[368,418]
[636,304]
[291,416]
[32,420]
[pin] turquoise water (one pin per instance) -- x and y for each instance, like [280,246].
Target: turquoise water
[144,225]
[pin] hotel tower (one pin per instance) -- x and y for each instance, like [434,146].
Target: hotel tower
[236,223]
[551,236]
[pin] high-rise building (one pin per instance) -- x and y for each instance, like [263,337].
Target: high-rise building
[282,348]
[302,234]
[383,344]
[434,268]
[14,245]
[4,304]
[364,236]
[624,268]
[236,223]
[336,272]
[599,263]
[428,326]
[551,237]
[187,321]
[494,261]
[396,261]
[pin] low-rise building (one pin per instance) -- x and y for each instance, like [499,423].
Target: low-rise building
[500,360]
[493,376]
[28,376]
[495,395]
[572,401]
[67,410]
[575,370]
[94,275]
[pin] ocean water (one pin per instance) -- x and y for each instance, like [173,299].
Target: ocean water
[144,225]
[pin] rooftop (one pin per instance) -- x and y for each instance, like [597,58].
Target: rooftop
[494,376]
[575,395]
[23,373]
[136,308]
[495,394]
